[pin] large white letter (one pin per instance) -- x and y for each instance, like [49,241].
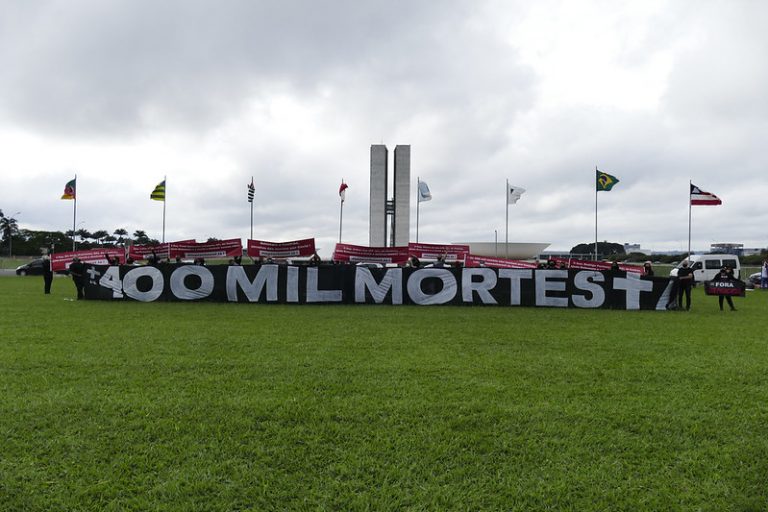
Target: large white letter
[393,279]
[633,285]
[315,295]
[292,285]
[180,290]
[445,295]
[267,275]
[133,275]
[585,281]
[514,276]
[482,287]
[544,285]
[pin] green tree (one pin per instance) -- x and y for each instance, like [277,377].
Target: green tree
[604,249]
[140,237]
[8,228]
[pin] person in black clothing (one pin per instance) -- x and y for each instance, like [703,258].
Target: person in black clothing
[684,284]
[47,274]
[725,274]
[647,269]
[77,270]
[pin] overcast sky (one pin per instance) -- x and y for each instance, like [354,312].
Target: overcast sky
[293,93]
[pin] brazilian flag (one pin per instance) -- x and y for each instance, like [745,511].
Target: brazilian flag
[605,181]
[159,193]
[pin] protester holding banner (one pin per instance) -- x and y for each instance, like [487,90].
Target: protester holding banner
[684,285]
[47,274]
[725,275]
[77,270]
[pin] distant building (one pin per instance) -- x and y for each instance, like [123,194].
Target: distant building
[628,248]
[390,216]
[737,249]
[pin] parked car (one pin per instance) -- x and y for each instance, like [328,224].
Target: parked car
[34,268]
[753,281]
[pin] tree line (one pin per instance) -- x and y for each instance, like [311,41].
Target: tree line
[27,242]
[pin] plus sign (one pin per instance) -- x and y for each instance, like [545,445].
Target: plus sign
[93,273]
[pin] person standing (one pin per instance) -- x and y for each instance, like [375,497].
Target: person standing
[47,274]
[725,274]
[684,285]
[648,269]
[77,270]
[764,275]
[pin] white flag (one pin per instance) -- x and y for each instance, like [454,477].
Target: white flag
[424,194]
[514,193]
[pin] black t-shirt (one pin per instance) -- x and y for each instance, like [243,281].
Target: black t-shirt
[683,272]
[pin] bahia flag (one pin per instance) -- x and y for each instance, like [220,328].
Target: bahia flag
[514,193]
[70,190]
[251,191]
[159,193]
[424,193]
[343,190]
[701,198]
[604,181]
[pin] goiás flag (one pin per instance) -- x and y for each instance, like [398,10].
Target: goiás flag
[251,191]
[159,193]
[343,190]
[70,190]
[604,182]
[701,198]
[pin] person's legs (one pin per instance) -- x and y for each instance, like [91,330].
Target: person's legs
[687,297]
[720,301]
[730,302]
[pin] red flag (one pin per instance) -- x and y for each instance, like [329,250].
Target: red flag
[343,190]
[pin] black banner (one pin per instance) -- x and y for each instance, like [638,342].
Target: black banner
[732,287]
[349,284]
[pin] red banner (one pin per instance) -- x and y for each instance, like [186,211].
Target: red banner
[281,250]
[450,253]
[732,287]
[142,252]
[596,265]
[482,261]
[361,254]
[61,260]
[216,249]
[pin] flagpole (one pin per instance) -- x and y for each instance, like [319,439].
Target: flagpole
[596,171]
[690,183]
[165,199]
[418,183]
[74,217]
[506,239]
[341,212]
[251,213]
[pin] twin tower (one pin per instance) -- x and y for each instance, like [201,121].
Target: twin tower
[390,213]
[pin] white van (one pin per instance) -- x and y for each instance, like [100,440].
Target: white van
[706,266]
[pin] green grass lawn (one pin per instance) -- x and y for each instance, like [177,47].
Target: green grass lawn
[209,406]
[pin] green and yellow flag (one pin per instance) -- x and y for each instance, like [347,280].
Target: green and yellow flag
[159,193]
[604,181]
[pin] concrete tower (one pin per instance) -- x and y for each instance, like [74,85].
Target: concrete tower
[398,209]
[377,228]
[402,231]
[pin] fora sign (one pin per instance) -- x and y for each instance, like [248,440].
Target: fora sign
[279,284]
